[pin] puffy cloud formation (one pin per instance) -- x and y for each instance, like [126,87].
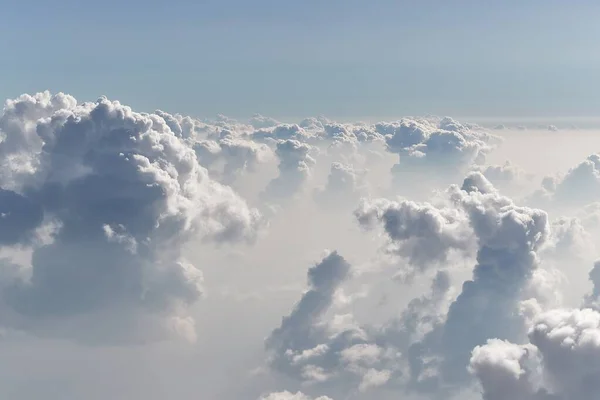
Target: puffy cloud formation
[502,173]
[231,155]
[124,192]
[508,178]
[317,351]
[294,342]
[260,121]
[291,396]
[344,184]
[508,238]
[581,183]
[441,149]
[295,163]
[560,362]
[578,187]
[427,348]
[421,233]
[108,216]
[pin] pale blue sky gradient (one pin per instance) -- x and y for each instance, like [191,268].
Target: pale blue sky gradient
[345,59]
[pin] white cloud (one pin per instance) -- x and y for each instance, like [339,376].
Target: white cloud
[291,396]
[114,223]
[126,194]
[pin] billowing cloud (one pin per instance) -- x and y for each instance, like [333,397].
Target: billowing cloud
[578,187]
[322,352]
[124,193]
[260,121]
[99,206]
[345,183]
[441,150]
[422,234]
[291,396]
[560,361]
[231,155]
[295,162]
[508,238]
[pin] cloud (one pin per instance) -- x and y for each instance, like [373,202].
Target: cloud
[291,396]
[427,349]
[559,362]
[99,205]
[236,153]
[125,193]
[295,337]
[295,163]
[578,187]
[260,121]
[322,352]
[508,178]
[282,132]
[501,368]
[422,234]
[508,238]
[437,151]
[345,184]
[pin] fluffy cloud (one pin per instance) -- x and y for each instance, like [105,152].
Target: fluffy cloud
[344,184]
[442,149]
[105,199]
[508,238]
[291,396]
[501,368]
[124,193]
[231,155]
[560,362]
[322,352]
[508,178]
[578,187]
[295,163]
[420,233]
[296,339]
[427,348]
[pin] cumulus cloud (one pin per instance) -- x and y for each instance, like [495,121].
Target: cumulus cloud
[291,396]
[260,121]
[322,352]
[508,238]
[231,155]
[437,150]
[295,338]
[345,184]
[104,200]
[295,163]
[428,347]
[125,192]
[559,362]
[578,187]
[508,178]
[422,234]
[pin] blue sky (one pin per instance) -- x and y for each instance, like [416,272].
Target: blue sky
[346,59]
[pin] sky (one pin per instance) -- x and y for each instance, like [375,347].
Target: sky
[292,59]
[299,200]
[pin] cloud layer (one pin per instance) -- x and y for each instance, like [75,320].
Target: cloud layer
[454,274]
